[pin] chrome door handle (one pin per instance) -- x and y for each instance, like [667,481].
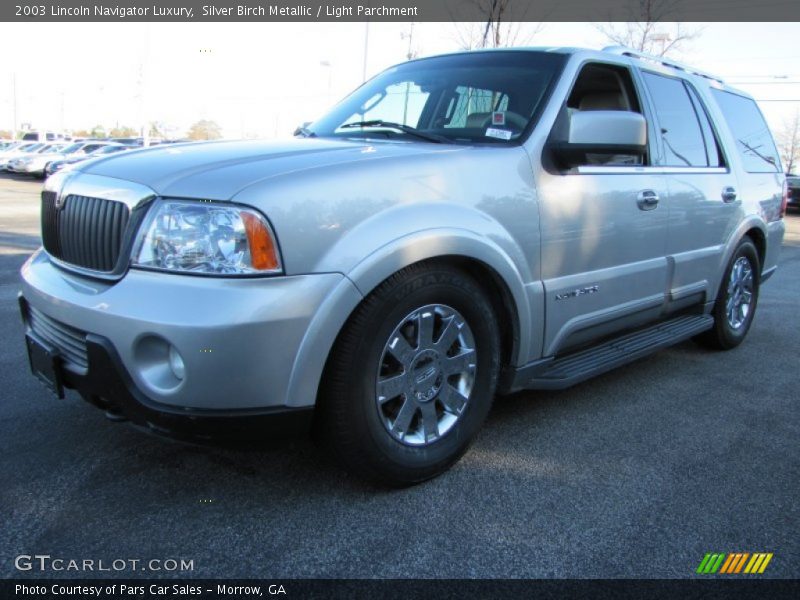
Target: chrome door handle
[647,200]
[728,194]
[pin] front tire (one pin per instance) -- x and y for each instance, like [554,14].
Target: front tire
[736,301]
[411,377]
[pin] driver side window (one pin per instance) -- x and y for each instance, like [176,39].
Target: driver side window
[605,87]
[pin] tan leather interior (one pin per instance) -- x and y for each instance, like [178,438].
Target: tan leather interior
[603,101]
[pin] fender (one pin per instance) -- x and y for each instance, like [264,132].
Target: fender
[383,262]
[748,223]
[468,233]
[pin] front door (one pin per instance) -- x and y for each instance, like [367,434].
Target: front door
[603,228]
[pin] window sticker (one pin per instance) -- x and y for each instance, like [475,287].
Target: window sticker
[498,117]
[500,134]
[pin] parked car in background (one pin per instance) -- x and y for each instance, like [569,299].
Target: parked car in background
[57,165]
[33,163]
[36,164]
[129,141]
[16,151]
[793,181]
[44,136]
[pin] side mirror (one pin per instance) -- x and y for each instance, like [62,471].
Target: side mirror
[302,129]
[598,132]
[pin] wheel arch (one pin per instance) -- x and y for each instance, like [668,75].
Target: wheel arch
[485,261]
[753,228]
[760,242]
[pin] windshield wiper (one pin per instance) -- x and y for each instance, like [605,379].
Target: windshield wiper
[430,137]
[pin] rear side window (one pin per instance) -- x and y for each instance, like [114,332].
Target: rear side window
[753,139]
[681,130]
[713,152]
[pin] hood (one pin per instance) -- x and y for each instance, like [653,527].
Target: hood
[218,170]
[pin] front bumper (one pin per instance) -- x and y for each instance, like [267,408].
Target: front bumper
[107,385]
[238,338]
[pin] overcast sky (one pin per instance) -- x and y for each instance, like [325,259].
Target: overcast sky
[262,79]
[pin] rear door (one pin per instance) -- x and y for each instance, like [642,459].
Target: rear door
[704,202]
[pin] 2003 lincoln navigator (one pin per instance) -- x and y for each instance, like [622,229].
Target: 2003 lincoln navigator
[459,226]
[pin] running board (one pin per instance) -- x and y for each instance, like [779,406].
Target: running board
[562,372]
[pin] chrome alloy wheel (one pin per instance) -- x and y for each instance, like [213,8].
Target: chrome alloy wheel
[739,300]
[426,375]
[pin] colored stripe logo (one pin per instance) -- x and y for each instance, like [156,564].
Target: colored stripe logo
[734,563]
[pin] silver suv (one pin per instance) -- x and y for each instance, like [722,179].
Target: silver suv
[458,227]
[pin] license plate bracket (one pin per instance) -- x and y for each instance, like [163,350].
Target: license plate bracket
[45,365]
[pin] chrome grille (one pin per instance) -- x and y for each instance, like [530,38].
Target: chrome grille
[85,232]
[70,342]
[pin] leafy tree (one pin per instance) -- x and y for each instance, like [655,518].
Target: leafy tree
[205,130]
[123,132]
[156,129]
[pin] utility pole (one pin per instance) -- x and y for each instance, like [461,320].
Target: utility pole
[366,51]
[14,103]
[143,65]
[409,55]
[326,64]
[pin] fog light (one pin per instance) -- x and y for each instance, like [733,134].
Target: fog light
[176,363]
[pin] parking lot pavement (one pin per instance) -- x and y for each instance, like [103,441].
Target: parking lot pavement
[638,473]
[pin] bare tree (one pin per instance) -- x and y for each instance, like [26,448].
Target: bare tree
[493,31]
[789,142]
[649,29]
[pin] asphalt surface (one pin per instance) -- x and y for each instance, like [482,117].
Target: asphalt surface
[637,473]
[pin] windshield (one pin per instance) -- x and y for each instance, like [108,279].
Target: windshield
[484,97]
[72,148]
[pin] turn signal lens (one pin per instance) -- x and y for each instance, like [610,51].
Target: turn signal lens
[263,255]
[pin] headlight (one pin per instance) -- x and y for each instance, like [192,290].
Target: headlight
[206,238]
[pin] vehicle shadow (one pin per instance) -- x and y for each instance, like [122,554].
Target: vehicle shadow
[19,177]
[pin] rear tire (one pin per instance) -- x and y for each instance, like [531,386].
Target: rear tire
[411,377]
[736,301]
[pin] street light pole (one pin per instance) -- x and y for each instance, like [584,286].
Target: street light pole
[366,51]
[14,103]
[327,65]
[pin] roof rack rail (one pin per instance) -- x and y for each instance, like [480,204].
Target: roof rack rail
[624,51]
